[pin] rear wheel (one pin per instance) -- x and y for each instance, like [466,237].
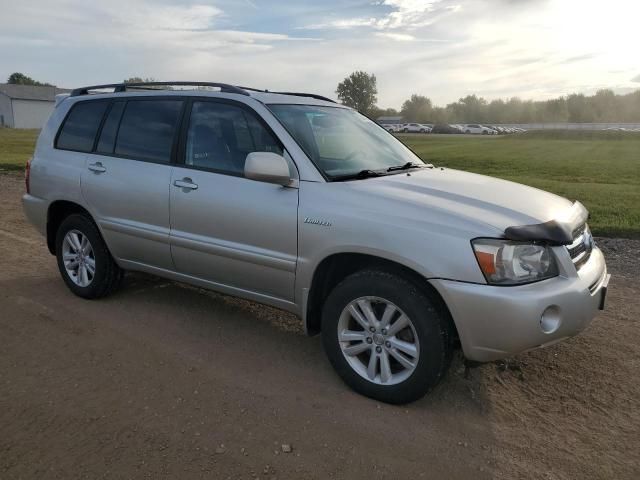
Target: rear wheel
[84,261]
[385,337]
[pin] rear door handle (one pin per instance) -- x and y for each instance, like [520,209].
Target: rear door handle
[97,167]
[185,183]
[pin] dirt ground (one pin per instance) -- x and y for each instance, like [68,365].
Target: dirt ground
[163,380]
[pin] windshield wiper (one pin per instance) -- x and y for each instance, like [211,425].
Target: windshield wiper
[367,173]
[406,166]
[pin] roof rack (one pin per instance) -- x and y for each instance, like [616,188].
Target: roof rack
[310,95]
[122,87]
[297,94]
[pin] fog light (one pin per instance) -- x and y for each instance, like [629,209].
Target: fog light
[550,319]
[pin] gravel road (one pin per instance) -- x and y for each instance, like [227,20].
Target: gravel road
[163,380]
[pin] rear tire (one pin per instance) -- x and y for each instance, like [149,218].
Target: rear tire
[424,342]
[88,269]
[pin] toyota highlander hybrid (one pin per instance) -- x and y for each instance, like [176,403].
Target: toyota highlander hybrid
[292,200]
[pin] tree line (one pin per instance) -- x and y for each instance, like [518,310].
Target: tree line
[359,91]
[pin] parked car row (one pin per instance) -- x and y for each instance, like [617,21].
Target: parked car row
[621,129]
[470,129]
[408,127]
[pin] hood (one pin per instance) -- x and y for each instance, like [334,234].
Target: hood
[478,198]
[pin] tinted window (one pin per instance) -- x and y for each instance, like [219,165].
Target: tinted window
[80,127]
[110,128]
[220,136]
[147,129]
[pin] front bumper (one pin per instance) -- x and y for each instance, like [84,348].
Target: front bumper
[497,322]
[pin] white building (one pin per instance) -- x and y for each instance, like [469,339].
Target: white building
[26,106]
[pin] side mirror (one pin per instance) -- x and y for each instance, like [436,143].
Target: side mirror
[267,167]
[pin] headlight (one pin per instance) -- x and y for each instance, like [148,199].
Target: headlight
[504,262]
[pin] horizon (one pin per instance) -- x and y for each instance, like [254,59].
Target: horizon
[442,49]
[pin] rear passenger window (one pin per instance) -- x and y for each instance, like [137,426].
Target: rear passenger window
[110,128]
[147,129]
[220,137]
[81,125]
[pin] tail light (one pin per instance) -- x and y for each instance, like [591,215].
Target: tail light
[27,173]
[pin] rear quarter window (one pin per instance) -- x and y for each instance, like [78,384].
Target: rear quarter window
[79,129]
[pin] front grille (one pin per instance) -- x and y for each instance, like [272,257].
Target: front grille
[580,249]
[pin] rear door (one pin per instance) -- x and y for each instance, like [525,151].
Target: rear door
[225,228]
[127,177]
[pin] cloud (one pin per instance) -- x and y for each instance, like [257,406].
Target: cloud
[636,78]
[404,14]
[400,37]
[342,24]
[444,49]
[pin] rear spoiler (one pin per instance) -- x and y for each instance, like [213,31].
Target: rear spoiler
[60,98]
[559,231]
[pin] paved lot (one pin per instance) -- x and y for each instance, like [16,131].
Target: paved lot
[162,380]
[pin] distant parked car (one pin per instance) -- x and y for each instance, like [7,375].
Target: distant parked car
[474,128]
[498,130]
[391,127]
[415,128]
[444,128]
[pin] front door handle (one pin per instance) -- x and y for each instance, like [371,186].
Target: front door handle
[185,183]
[97,167]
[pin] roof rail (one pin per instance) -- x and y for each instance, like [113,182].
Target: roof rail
[310,95]
[122,87]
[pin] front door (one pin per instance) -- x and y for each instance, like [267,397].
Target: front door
[225,228]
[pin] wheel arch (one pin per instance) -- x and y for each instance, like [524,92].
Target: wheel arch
[56,213]
[336,267]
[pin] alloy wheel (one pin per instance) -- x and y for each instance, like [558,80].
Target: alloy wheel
[378,340]
[78,258]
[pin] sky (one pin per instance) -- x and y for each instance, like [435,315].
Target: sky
[444,49]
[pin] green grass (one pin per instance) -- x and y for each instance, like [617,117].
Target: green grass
[601,169]
[16,146]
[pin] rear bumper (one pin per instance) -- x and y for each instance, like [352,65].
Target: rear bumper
[497,322]
[35,209]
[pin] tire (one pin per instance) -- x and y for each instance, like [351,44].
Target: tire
[107,275]
[467,131]
[405,131]
[427,324]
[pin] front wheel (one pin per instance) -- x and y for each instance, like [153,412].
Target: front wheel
[385,337]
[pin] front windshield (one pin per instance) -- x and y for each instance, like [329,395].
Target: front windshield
[342,142]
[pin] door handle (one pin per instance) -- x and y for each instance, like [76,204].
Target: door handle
[97,167]
[185,183]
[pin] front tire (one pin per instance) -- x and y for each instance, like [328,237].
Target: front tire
[386,338]
[84,260]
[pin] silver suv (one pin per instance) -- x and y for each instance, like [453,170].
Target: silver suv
[292,200]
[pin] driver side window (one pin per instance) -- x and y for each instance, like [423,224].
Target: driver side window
[220,136]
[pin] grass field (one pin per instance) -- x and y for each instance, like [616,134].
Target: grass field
[601,169]
[16,146]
